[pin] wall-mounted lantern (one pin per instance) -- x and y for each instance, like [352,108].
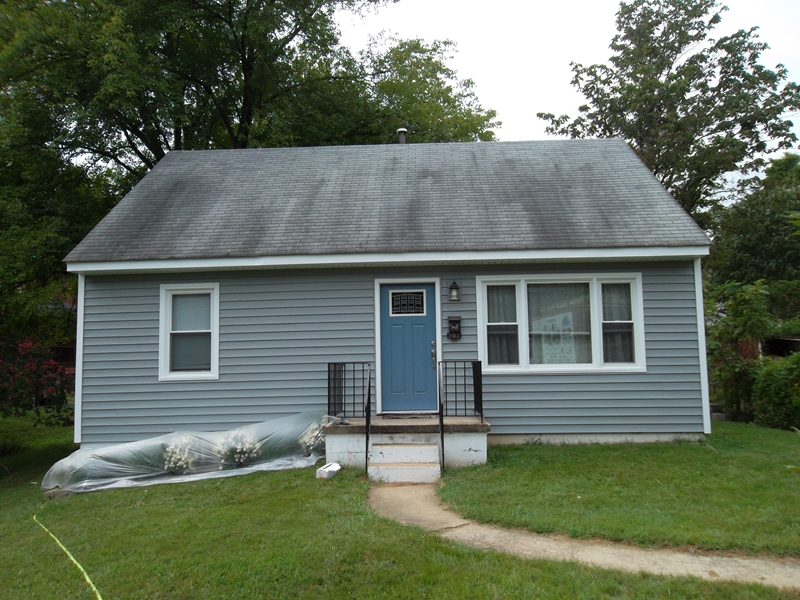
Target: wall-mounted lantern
[455,292]
[453,328]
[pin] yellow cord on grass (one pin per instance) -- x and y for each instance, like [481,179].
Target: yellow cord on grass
[72,558]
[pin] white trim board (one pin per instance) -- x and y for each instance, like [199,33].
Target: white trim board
[701,342]
[79,360]
[482,257]
[595,281]
[167,290]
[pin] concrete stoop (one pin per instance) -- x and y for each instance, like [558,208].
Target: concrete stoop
[406,449]
[406,462]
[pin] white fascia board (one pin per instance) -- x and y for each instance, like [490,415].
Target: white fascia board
[388,259]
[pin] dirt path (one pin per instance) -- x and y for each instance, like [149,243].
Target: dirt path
[419,505]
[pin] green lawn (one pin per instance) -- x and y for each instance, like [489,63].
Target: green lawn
[734,492]
[268,535]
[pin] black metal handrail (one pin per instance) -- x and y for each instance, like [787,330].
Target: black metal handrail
[461,388]
[348,385]
[458,381]
[350,394]
[368,418]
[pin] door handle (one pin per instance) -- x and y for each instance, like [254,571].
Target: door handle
[433,358]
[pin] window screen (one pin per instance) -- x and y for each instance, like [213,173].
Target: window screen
[190,333]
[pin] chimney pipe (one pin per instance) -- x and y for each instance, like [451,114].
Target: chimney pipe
[401,135]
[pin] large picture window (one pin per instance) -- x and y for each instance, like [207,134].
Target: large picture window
[189,340]
[575,322]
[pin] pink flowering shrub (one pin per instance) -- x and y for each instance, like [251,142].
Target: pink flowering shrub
[31,380]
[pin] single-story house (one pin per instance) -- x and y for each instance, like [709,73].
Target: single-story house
[222,286]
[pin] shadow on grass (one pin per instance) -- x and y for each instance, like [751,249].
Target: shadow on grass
[33,460]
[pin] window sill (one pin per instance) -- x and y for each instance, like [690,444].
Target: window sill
[563,369]
[188,376]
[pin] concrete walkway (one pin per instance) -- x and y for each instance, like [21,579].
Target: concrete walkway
[419,505]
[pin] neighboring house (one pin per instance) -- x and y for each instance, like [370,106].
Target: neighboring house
[216,293]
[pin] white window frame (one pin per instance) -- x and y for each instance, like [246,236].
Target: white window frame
[165,322]
[595,281]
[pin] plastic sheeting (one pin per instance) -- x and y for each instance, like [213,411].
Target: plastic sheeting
[285,443]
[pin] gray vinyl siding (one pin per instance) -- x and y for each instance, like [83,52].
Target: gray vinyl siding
[279,329]
[665,399]
[277,332]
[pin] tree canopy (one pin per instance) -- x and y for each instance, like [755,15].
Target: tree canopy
[96,92]
[47,205]
[693,108]
[754,238]
[134,79]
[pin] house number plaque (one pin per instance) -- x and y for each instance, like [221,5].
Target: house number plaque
[454,328]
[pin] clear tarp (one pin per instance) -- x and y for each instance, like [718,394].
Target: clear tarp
[290,442]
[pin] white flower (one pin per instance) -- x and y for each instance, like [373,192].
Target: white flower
[178,456]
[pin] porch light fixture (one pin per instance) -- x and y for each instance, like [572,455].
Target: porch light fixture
[455,292]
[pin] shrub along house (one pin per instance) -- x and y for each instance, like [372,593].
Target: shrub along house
[219,291]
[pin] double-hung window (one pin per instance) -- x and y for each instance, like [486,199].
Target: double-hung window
[562,323]
[189,332]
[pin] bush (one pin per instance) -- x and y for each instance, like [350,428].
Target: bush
[739,319]
[31,380]
[732,379]
[776,394]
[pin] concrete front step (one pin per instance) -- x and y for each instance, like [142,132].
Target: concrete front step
[403,453]
[405,472]
[465,439]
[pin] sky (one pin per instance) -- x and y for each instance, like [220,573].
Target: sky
[518,52]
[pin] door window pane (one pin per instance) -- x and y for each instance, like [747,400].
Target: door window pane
[559,318]
[408,303]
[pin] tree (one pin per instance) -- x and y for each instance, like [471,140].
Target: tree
[692,107]
[394,83]
[754,241]
[740,321]
[140,77]
[46,206]
[412,87]
[753,238]
[137,78]
[94,92]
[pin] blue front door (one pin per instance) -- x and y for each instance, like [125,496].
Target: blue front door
[408,347]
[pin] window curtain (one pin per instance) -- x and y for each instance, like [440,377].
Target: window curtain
[502,330]
[617,323]
[559,319]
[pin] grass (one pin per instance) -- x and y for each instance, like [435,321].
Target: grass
[18,434]
[735,492]
[269,535]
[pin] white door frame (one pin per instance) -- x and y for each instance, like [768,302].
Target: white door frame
[438,304]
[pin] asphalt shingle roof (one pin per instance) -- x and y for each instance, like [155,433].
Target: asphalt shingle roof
[563,194]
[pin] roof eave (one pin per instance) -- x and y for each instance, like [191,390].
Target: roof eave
[174,265]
